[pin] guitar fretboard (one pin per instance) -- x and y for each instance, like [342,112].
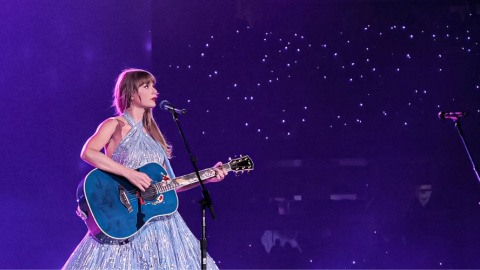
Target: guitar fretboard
[188,179]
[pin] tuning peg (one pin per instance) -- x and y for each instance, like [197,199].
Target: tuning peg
[229,159]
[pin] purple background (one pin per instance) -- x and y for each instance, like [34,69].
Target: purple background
[327,97]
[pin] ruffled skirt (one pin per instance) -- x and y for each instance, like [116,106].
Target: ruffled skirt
[164,243]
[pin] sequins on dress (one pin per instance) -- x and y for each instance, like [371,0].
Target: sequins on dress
[163,243]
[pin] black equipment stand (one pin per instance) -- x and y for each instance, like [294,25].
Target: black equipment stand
[456,120]
[205,202]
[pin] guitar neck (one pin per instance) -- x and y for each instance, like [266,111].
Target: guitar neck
[189,179]
[205,174]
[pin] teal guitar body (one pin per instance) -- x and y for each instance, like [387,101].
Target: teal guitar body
[116,210]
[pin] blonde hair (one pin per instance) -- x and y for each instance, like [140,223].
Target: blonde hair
[126,86]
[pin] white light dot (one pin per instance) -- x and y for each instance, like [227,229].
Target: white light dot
[234,85]
[246,124]
[202,55]
[283,121]
[206,45]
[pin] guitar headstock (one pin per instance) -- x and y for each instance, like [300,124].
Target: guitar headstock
[241,164]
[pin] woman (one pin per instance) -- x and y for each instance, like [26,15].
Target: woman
[131,140]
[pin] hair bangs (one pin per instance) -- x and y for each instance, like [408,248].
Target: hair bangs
[145,78]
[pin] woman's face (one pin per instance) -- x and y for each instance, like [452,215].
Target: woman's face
[146,96]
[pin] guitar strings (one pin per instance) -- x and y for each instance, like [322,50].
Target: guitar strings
[168,187]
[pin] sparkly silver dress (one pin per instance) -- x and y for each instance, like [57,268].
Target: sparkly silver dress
[163,243]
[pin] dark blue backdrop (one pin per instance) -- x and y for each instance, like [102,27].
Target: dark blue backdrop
[327,97]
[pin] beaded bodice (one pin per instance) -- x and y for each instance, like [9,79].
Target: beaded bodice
[138,148]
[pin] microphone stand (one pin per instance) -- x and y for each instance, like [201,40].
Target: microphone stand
[205,202]
[460,132]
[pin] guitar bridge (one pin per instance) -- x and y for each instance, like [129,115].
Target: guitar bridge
[122,194]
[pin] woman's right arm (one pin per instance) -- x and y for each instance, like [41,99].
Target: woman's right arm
[91,153]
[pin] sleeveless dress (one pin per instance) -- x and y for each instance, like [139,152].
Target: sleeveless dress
[163,243]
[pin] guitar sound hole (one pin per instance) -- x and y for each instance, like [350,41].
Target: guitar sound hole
[149,194]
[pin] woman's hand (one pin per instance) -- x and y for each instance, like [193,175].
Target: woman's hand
[138,179]
[220,173]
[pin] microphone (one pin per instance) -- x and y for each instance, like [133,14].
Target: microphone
[451,115]
[167,106]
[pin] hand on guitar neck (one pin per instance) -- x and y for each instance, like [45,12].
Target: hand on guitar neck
[220,174]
